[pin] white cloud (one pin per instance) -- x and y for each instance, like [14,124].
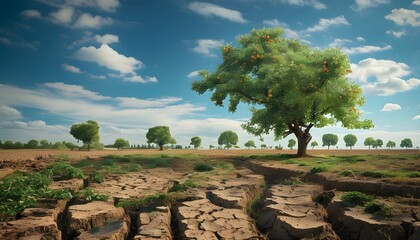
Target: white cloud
[287,31]
[107,39]
[193,74]
[325,24]
[365,49]
[313,3]
[86,20]
[147,103]
[383,77]
[8,113]
[30,13]
[107,57]
[363,4]
[390,107]
[139,79]
[209,10]
[339,43]
[63,15]
[416,2]
[73,91]
[93,76]
[205,46]
[104,5]
[396,34]
[71,68]
[360,39]
[404,16]
[417,117]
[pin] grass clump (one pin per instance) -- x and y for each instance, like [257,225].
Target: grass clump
[180,187]
[318,169]
[347,173]
[133,168]
[378,208]
[91,195]
[379,174]
[97,177]
[203,168]
[63,171]
[413,175]
[356,198]
[147,203]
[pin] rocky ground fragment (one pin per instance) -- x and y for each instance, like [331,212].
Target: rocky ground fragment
[74,184]
[289,212]
[154,225]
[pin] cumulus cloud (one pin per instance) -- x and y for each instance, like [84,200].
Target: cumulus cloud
[396,34]
[404,17]
[147,103]
[193,74]
[93,76]
[360,39]
[325,24]
[210,10]
[107,57]
[416,2]
[139,79]
[363,4]
[417,117]
[104,5]
[71,68]
[365,49]
[63,15]
[67,90]
[383,77]
[107,39]
[339,42]
[390,107]
[86,20]
[205,46]
[312,3]
[30,13]
[9,113]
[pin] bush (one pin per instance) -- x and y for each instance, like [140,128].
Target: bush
[180,187]
[347,173]
[90,195]
[97,177]
[133,168]
[202,168]
[63,171]
[318,169]
[356,198]
[378,209]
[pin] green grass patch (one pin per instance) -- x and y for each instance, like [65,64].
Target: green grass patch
[347,173]
[97,177]
[63,171]
[356,198]
[87,162]
[203,168]
[133,168]
[413,174]
[378,208]
[147,203]
[180,187]
[379,174]
[318,169]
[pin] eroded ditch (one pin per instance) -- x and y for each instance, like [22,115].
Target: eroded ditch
[304,209]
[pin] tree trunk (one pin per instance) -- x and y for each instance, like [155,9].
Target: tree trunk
[302,144]
[88,147]
[328,147]
[161,147]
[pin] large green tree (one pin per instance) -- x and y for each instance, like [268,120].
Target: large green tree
[350,140]
[296,87]
[160,135]
[406,142]
[87,132]
[121,143]
[329,139]
[32,143]
[196,141]
[369,141]
[250,144]
[228,138]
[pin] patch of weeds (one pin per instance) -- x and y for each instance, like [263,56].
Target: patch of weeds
[180,187]
[290,161]
[91,195]
[150,165]
[59,194]
[63,157]
[302,164]
[133,168]
[318,169]
[202,168]
[114,169]
[84,163]
[226,166]
[356,198]
[413,175]
[107,162]
[148,203]
[97,177]
[251,207]
[164,156]
[379,174]
[347,173]
[63,171]
[378,208]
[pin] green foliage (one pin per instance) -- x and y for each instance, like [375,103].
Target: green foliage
[97,177]
[391,144]
[8,145]
[196,141]
[87,132]
[318,169]
[370,141]
[59,194]
[180,187]
[18,145]
[91,195]
[314,144]
[44,143]
[378,208]
[252,205]
[350,140]
[379,174]
[202,168]
[146,203]
[406,143]
[378,143]
[356,198]
[63,171]
[291,143]
[160,135]
[329,139]
[413,175]
[263,146]
[32,143]
[348,173]
[228,138]
[133,168]
[296,87]
[250,144]
[121,143]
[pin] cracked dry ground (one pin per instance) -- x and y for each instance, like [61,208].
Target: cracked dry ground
[219,209]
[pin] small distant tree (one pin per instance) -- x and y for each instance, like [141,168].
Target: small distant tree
[228,138]
[314,144]
[121,143]
[1,144]
[59,145]
[369,141]
[329,139]
[44,143]
[250,144]
[70,145]
[87,132]
[8,145]
[263,146]
[18,145]
[211,147]
[160,135]
[291,144]
[196,142]
[350,140]
[378,143]
[390,144]
[32,144]
[406,143]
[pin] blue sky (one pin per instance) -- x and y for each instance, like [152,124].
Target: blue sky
[129,64]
